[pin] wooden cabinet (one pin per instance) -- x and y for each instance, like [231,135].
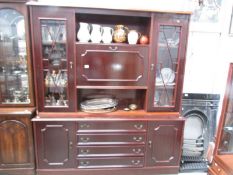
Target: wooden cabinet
[164,135]
[16,146]
[55,142]
[94,145]
[223,153]
[74,71]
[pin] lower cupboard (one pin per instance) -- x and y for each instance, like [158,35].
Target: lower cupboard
[137,147]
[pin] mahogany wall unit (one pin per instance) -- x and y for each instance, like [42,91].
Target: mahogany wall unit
[16,90]
[146,140]
[223,153]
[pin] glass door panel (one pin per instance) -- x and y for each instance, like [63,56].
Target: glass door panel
[226,141]
[54,53]
[167,66]
[14,79]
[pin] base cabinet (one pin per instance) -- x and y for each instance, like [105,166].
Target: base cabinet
[164,142]
[54,143]
[16,142]
[93,145]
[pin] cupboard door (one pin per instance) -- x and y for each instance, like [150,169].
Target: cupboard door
[123,65]
[54,54]
[55,143]
[16,147]
[15,64]
[167,63]
[164,143]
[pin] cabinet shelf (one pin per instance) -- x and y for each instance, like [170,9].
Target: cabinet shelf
[111,87]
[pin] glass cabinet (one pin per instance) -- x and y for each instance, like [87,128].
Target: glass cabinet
[222,158]
[167,64]
[15,78]
[226,136]
[53,55]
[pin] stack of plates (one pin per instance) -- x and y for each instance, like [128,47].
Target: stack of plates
[99,105]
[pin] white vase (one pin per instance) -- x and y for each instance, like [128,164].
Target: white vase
[107,35]
[96,33]
[83,33]
[133,36]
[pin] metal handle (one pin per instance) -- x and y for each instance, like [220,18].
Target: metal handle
[71,144]
[71,65]
[150,143]
[138,126]
[84,151]
[84,125]
[152,66]
[137,139]
[136,162]
[85,139]
[113,49]
[137,151]
[84,163]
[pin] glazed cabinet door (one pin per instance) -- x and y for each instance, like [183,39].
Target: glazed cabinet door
[164,143]
[167,62]
[225,133]
[15,64]
[16,145]
[55,143]
[53,46]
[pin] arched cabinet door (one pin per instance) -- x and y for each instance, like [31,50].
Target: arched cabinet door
[16,146]
[15,64]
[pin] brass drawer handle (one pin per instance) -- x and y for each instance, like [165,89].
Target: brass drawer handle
[84,125]
[113,49]
[137,139]
[83,151]
[138,126]
[136,162]
[85,139]
[84,163]
[137,151]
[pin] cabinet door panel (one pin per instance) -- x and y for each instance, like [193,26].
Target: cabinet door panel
[167,62]
[15,70]
[55,144]
[111,65]
[164,143]
[54,57]
[15,142]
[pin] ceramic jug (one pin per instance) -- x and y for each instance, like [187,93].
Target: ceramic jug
[96,33]
[120,33]
[133,37]
[83,34]
[107,35]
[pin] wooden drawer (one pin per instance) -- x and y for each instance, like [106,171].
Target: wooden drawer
[116,59]
[110,151]
[112,126]
[110,162]
[111,139]
[216,168]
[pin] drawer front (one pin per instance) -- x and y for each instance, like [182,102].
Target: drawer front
[110,162]
[112,126]
[217,169]
[111,139]
[110,151]
[116,60]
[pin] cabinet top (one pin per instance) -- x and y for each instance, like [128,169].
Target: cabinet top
[178,6]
